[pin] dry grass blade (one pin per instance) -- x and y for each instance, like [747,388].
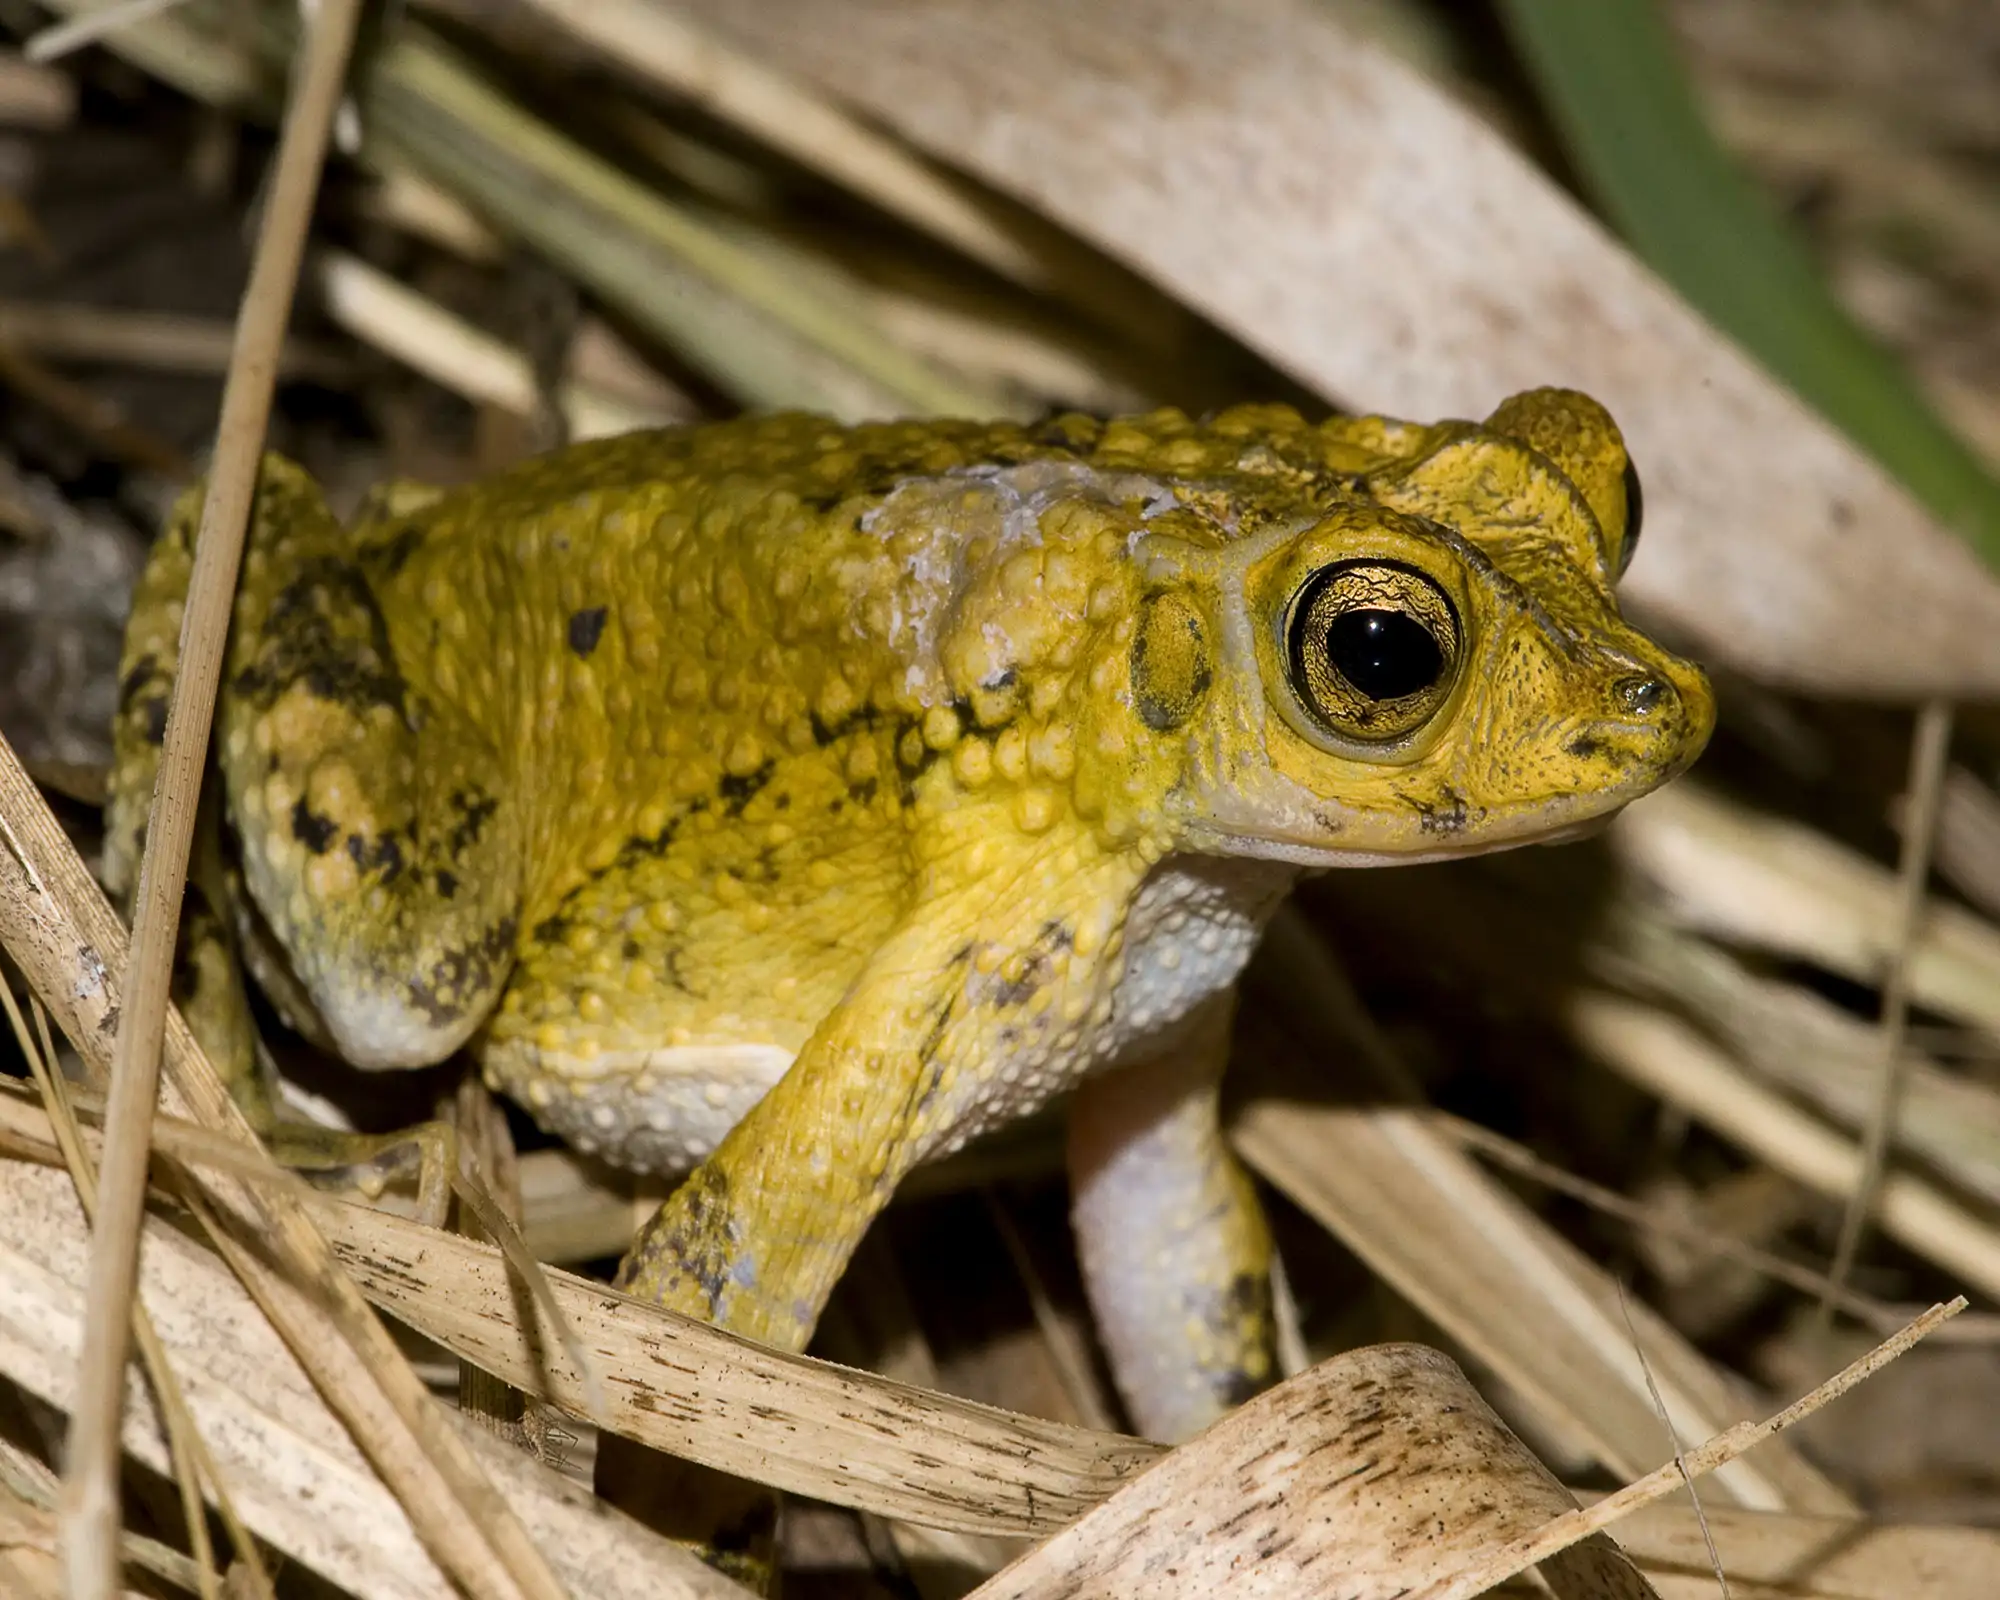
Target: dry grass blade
[1402,1415]
[1306,158]
[1880,1317]
[1785,1556]
[1928,753]
[1774,884]
[1968,847]
[506,1236]
[735,305]
[192,1465]
[881,1322]
[90,1511]
[1670,1059]
[848,1437]
[88,414]
[1816,1051]
[217,68]
[398,321]
[53,43]
[28,1492]
[666,48]
[166,341]
[1068,1348]
[694,1391]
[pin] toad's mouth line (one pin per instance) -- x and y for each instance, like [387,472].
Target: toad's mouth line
[1320,857]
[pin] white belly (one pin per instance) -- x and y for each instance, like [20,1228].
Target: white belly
[1190,931]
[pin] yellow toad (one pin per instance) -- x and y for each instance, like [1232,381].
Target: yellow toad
[785,804]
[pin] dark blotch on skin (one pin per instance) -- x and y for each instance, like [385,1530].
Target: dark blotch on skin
[384,855]
[475,810]
[933,1040]
[391,557]
[311,829]
[737,793]
[654,845]
[300,644]
[1448,817]
[156,721]
[826,733]
[1033,976]
[1054,937]
[1247,1299]
[910,771]
[462,978]
[303,645]
[695,1238]
[585,629]
[1583,747]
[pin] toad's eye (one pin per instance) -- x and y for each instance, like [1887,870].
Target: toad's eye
[1372,648]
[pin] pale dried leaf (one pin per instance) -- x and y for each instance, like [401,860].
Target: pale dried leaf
[1347,219]
[1367,1476]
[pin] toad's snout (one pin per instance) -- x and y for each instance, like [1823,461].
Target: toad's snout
[1651,721]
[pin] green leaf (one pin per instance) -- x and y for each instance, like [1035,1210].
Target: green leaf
[1612,83]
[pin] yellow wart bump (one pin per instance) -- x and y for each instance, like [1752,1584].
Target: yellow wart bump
[1036,810]
[972,763]
[941,728]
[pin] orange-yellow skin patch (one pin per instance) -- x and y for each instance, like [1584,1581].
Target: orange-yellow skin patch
[772,798]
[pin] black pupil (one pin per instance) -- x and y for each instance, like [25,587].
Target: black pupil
[1384,654]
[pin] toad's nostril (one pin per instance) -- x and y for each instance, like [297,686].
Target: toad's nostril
[1641,697]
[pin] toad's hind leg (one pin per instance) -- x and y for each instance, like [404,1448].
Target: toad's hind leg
[208,976]
[390,885]
[1175,1251]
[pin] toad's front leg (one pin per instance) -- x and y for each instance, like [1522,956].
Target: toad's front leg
[999,969]
[756,1237]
